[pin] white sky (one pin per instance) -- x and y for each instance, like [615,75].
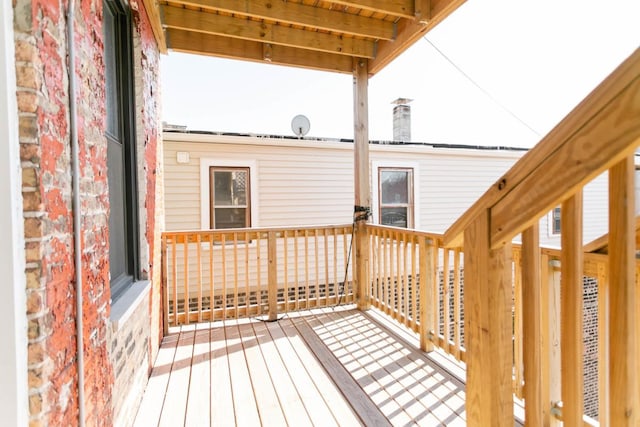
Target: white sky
[538,58]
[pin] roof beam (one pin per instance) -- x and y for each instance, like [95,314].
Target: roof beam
[409,31]
[210,23]
[225,47]
[301,14]
[399,8]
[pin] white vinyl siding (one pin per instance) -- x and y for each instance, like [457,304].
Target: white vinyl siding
[311,182]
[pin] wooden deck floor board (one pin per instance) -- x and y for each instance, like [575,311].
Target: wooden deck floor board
[319,367]
[199,399]
[244,401]
[268,404]
[221,404]
[150,408]
[175,402]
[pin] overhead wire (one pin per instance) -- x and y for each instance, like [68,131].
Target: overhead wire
[483,90]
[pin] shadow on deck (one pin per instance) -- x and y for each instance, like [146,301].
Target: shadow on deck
[320,367]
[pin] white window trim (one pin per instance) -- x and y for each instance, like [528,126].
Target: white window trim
[375,191]
[205,164]
[550,224]
[13,321]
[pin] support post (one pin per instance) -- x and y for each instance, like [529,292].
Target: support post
[488,325]
[571,332]
[623,294]
[532,326]
[272,274]
[361,179]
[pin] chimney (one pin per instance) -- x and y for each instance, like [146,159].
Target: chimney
[402,120]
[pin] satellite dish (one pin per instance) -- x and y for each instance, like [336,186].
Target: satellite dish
[300,125]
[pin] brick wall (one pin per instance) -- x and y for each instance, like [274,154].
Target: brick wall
[42,95]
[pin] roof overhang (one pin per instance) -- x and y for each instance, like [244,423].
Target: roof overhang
[321,35]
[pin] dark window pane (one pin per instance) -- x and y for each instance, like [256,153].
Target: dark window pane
[230,188]
[395,217]
[394,186]
[230,218]
[111,73]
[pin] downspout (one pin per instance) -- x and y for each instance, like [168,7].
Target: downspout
[75,183]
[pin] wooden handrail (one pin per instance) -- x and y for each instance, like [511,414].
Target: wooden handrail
[598,133]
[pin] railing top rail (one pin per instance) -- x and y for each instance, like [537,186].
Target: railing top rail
[600,131]
[254,231]
[436,237]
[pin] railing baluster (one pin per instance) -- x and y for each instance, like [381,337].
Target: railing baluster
[223,253]
[296,293]
[247,279]
[236,305]
[285,292]
[532,325]
[518,378]
[199,273]
[185,277]
[165,289]
[426,293]
[445,302]
[414,284]
[456,303]
[326,268]
[571,336]
[603,345]
[212,285]
[272,291]
[306,268]
[551,321]
[174,276]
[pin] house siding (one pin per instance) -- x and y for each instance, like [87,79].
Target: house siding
[44,136]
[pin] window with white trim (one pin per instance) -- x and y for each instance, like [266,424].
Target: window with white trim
[229,197]
[395,198]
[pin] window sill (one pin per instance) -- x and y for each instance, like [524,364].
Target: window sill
[130,299]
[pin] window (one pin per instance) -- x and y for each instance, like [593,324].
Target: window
[228,193]
[120,134]
[554,221]
[230,197]
[395,197]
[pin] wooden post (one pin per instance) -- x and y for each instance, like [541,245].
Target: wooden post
[551,389]
[572,289]
[272,289]
[426,290]
[488,326]
[532,326]
[623,320]
[361,178]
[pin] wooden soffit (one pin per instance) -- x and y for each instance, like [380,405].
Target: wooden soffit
[322,35]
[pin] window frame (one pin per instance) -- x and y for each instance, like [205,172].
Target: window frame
[205,188]
[212,203]
[376,166]
[123,44]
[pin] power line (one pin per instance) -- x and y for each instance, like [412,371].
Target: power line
[491,97]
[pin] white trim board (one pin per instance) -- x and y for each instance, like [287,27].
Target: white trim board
[13,322]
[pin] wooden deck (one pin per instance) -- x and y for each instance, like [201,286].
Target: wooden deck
[321,367]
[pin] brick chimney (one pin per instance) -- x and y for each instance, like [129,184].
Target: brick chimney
[402,120]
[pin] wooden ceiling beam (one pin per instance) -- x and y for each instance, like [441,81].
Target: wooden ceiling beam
[225,47]
[409,31]
[222,25]
[301,14]
[399,8]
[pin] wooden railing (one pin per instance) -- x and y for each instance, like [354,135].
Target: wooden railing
[600,135]
[209,275]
